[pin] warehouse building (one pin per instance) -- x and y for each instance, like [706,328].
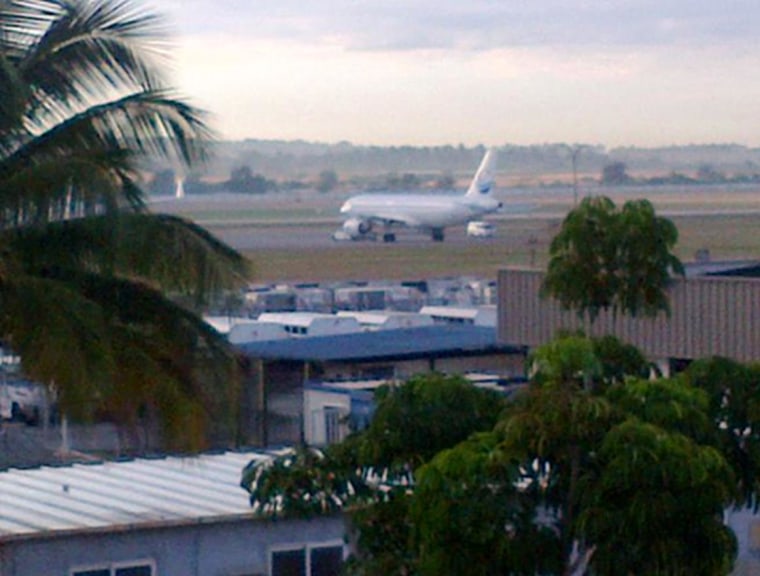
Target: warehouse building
[149,517]
[713,315]
[278,370]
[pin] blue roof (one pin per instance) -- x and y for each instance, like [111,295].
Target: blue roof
[735,268]
[404,343]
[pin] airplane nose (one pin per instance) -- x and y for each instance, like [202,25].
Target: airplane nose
[345,208]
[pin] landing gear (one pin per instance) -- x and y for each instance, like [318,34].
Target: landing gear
[437,234]
[389,237]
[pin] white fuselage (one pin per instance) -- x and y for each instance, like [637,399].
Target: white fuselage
[432,212]
[418,210]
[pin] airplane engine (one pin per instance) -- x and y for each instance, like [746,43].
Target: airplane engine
[356,227]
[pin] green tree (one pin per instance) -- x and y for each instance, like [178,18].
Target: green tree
[554,427]
[708,173]
[406,181]
[614,174]
[582,273]
[620,361]
[733,391]
[84,265]
[469,515]
[589,469]
[656,506]
[445,181]
[412,422]
[605,259]
[243,180]
[327,181]
[645,261]
[426,414]
[620,466]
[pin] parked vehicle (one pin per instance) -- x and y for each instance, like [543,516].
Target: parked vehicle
[22,401]
[480,229]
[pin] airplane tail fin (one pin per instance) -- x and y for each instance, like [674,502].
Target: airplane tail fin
[483,182]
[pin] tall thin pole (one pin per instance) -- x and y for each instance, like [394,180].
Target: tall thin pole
[575,151]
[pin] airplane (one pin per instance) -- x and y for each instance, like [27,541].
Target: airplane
[428,212]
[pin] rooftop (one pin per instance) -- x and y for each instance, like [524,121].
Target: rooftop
[108,495]
[732,268]
[404,343]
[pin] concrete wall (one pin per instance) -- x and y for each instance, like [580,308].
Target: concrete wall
[207,549]
[746,526]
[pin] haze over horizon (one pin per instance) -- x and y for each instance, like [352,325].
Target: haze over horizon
[610,72]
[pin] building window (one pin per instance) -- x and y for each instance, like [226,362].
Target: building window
[307,560]
[335,429]
[326,560]
[289,562]
[141,568]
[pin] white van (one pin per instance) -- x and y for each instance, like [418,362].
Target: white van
[480,229]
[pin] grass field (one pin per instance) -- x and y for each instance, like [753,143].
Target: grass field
[309,219]
[519,243]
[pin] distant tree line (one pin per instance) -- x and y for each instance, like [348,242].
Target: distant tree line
[305,160]
[288,166]
[616,174]
[243,180]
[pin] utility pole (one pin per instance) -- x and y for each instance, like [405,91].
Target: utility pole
[575,151]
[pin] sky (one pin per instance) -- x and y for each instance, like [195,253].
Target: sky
[435,72]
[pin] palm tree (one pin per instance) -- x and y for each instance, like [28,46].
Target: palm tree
[86,271]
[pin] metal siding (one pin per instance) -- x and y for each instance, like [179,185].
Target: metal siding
[725,334]
[741,302]
[709,316]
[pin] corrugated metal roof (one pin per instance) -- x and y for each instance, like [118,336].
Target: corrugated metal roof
[420,342]
[106,495]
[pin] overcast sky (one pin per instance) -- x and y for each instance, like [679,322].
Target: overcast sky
[433,72]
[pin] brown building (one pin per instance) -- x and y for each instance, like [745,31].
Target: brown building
[710,316]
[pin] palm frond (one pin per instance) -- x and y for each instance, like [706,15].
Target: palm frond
[22,22]
[48,189]
[147,123]
[13,96]
[90,49]
[60,336]
[165,251]
[82,262]
[161,351]
[78,157]
[193,261]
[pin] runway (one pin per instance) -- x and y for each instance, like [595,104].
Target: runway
[308,220]
[290,238]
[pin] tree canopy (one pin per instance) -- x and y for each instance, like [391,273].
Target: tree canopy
[592,467]
[609,259]
[85,267]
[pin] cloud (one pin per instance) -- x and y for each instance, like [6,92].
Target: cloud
[476,24]
[486,71]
